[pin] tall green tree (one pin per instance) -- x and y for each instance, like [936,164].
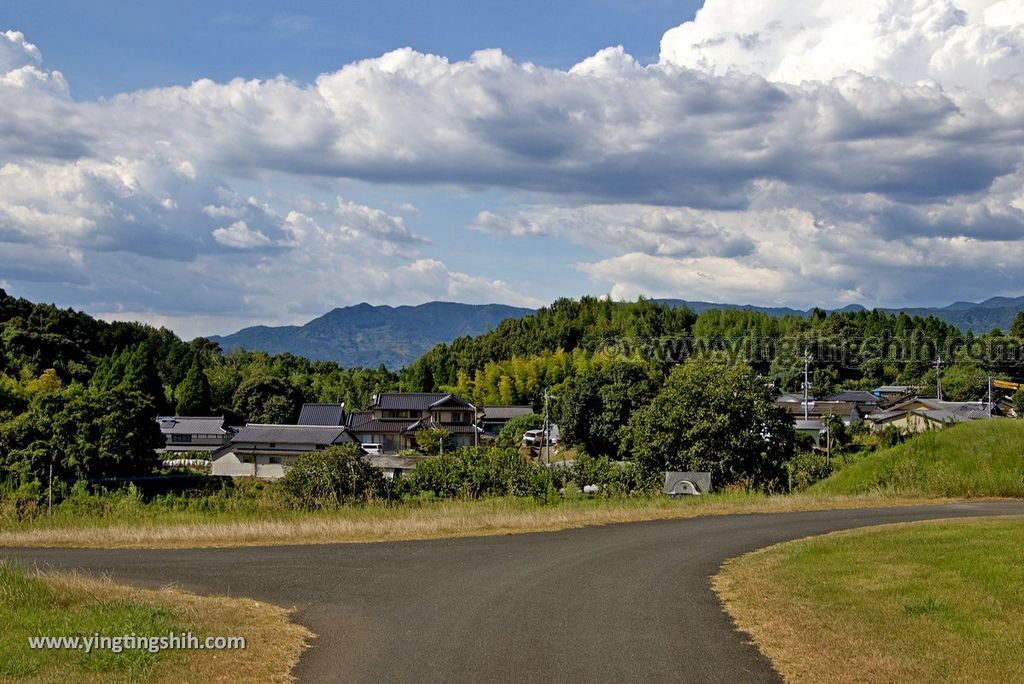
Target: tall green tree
[596,407]
[715,416]
[1017,328]
[267,399]
[193,395]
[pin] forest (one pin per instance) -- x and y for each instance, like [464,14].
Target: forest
[79,395]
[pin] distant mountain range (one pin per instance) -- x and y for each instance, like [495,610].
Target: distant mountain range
[366,335]
[976,317]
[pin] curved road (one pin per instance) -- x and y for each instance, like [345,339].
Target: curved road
[608,603]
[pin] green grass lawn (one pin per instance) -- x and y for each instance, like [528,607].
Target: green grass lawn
[925,602]
[38,604]
[980,458]
[29,606]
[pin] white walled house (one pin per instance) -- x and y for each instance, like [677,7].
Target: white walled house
[262,451]
[195,436]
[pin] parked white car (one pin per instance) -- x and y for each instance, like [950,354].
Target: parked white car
[373,449]
[536,437]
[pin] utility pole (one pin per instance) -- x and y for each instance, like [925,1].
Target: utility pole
[807,379]
[49,491]
[938,378]
[544,435]
[546,444]
[990,396]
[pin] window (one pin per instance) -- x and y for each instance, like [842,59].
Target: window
[462,418]
[181,439]
[274,460]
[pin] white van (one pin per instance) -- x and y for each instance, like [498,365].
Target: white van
[373,448]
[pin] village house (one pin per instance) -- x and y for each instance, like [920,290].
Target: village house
[262,451]
[192,436]
[918,414]
[395,417]
[494,418]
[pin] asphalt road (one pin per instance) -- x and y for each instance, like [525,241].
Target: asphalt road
[624,602]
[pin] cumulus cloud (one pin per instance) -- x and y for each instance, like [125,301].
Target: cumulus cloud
[952,42]
[772,144]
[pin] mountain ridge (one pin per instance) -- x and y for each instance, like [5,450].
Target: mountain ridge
[370,335]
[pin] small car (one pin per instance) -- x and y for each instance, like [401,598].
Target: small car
[373,449]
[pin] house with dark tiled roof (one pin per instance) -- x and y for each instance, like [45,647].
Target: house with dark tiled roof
[918,414]
[322,414]
[493,418]
[194,436]
[263,451]
[395,417]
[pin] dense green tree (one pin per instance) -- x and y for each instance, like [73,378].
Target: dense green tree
[1017,328]
[267,399]
[715,416]
[1018,403]
[193,395]
[595,408]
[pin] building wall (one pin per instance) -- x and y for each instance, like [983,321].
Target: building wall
[267,466]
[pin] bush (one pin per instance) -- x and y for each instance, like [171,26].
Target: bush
[890,436]
[807,467]
[478,472]
[615,478]
[332,477]
[512,434]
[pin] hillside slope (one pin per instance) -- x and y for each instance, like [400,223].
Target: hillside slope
[976,317]
[981,458]
[365,335]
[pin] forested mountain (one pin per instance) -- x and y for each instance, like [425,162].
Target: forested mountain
[981,317]
[368,336]
[365,335]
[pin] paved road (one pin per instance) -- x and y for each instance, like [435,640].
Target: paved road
[625,602]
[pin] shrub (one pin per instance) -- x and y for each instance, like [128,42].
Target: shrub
[615,478]
[511,434]
[332,477]
[807,467]
[477,472]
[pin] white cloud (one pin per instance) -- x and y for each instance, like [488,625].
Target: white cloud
[844,125]
[963,44]
[240,236]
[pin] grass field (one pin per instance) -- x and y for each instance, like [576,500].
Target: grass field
[427,520]
[980,458]
[34,604]
[922,602]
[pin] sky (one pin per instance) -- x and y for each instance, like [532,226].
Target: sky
[208,166]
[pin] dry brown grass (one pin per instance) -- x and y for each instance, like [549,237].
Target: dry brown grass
[273,642]
[439,520]
[934,601]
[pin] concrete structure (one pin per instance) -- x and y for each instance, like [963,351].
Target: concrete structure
[675,483]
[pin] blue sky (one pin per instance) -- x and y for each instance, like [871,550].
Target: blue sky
[114,46]
[211,165]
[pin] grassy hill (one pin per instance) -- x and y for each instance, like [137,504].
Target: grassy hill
[981,458]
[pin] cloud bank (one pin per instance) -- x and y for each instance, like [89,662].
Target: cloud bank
[791,152]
